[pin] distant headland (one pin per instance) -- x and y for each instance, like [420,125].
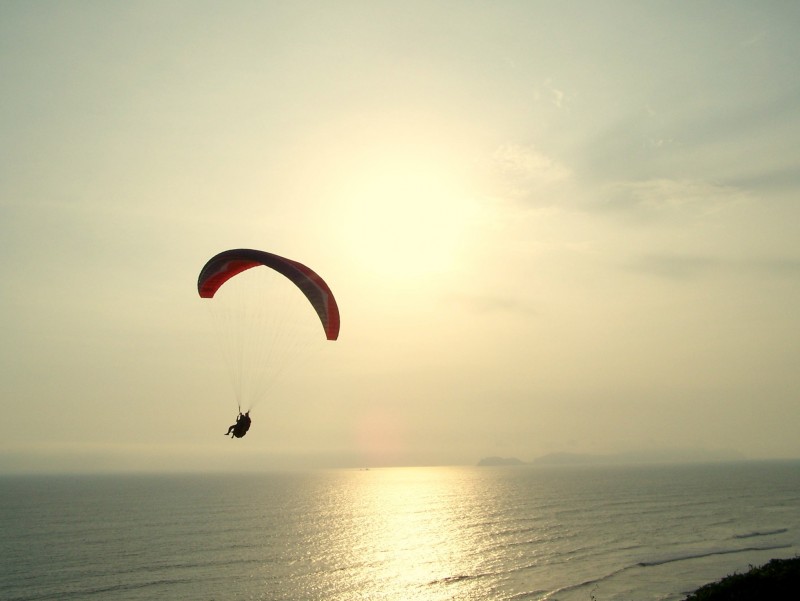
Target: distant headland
[654,456]
[491,461]
[630,458]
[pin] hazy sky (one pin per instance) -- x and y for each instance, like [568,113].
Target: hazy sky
[550,227]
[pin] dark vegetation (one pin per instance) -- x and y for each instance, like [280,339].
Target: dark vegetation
[777,580]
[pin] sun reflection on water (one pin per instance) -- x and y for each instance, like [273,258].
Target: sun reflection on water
[408,534]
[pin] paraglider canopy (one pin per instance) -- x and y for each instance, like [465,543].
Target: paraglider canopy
[229,263]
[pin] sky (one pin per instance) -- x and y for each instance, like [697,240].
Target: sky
[550,227]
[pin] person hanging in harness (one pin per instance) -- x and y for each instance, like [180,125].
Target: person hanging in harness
[241,426]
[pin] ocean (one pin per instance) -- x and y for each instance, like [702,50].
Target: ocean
[395,534]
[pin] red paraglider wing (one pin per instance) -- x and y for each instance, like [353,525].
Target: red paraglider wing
[229,263]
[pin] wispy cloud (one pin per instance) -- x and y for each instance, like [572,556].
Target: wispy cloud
[547,92]
[677,266]
[523,173]
[493,304]
[668,199]
[774,179]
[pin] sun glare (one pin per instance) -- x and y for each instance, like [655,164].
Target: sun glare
[412,509]
[408,219]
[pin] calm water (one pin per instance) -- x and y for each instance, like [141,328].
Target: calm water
[395,534]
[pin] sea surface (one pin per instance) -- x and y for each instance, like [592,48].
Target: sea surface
[399,534]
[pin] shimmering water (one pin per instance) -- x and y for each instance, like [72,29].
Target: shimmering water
[632,533]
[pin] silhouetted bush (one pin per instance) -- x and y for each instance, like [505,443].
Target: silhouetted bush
[778,580]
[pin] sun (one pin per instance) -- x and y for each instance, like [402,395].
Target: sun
[408,218]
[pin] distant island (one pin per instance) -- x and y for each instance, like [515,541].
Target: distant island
[492,461]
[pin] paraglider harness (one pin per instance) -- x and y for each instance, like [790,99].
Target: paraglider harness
[242,425]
